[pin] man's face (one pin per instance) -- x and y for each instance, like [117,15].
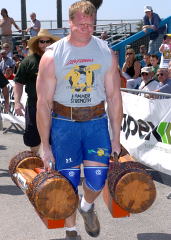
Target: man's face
[162,75]
[149,14]
[146,59]
[3,13]
[82,26]
[4,54]
[145,76]
[33,17]
[142,50]
[153,61]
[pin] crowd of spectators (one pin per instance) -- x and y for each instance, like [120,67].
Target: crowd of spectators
[141,69]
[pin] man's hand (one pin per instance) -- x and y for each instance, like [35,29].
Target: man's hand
[116,147]
[19,109]
[48,158]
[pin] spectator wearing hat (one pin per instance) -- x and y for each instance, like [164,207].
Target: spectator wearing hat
[148,82]
[27,75]
[152,20]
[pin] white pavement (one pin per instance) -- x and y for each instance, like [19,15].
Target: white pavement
[18,220]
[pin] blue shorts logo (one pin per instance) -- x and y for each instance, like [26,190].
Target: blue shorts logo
[98,172]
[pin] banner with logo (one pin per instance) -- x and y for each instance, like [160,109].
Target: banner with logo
[11,116]
[146,130]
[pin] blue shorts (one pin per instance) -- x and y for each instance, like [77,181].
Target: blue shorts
[72,142]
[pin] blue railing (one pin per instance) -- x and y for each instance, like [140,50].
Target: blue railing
[120,47]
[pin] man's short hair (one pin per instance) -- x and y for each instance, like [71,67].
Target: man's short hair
[33,14]
[85,7]
[154,56]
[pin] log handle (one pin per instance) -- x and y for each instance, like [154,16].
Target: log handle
[114,157]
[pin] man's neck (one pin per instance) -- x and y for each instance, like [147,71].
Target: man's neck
[77,42]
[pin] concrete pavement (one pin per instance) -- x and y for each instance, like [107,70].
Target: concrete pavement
[18,220]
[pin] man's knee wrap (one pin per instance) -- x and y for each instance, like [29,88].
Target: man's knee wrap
[95,177]
[73,175]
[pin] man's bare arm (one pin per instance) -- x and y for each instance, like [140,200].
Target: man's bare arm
[46,83]
[114,101]
[15,25]
[6,98]
[18,91]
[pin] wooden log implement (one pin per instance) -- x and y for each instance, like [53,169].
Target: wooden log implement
[129,189]
[51,194]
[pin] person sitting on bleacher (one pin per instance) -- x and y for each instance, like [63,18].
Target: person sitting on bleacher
[142,52]
[9,73]
[155,66]
[148,82]
[152,21]
[146,61]
[164,85]
[131,69]
[6,61]
[6,47]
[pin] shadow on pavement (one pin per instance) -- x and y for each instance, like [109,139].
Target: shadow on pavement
[10,190]
[4,173]
[58,239]
[153,236]
[160,177]
[2,147]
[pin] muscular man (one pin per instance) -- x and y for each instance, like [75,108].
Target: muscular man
[76,76]
[27,75]
[6,28]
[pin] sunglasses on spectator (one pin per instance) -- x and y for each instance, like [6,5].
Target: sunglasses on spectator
[129,53]
[45,41]
[144,74]
[160,74]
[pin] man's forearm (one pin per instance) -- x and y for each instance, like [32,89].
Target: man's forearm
[44,122]
[18,91]
[6,94]
[115,112]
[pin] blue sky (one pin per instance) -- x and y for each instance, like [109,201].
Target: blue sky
[111,9]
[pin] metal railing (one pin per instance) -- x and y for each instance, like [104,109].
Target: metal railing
[120,47]
[158,95]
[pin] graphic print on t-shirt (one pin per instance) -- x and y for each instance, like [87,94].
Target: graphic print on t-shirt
[81,78]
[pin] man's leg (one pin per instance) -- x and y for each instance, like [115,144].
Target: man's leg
[91,192]
[73,175]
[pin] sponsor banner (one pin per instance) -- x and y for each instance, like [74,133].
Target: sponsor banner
[146,130]
[11,116]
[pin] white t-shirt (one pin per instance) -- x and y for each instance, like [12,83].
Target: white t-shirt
[150,86]
[166,56]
